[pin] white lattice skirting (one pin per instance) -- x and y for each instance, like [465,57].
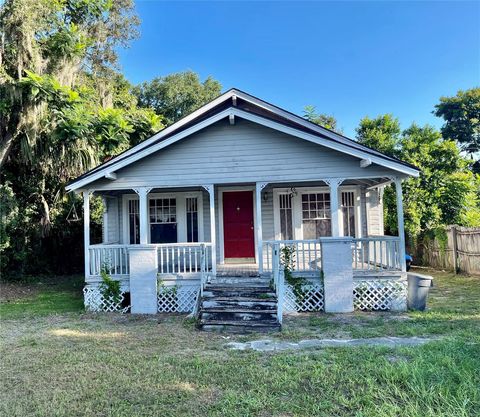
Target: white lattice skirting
[310,299]
[177,299]
[380,295]
[96,302]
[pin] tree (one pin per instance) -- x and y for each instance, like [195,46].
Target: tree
[462,119]
[381,133]
[321,119]
[56,40]
[446,191]
[64,108]
[176,95]
[441,194]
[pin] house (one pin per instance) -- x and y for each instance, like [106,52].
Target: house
[202,215]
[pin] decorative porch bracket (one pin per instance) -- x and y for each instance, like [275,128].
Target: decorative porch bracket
[143,209]
[334,183]
[210,188]
[259,186]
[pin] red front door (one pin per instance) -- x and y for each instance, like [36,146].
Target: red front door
[238,231]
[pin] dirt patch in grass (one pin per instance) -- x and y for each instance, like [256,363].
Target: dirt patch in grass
[31,286]
[12,292]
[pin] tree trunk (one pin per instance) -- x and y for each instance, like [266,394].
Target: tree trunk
[45,220]
[5,147]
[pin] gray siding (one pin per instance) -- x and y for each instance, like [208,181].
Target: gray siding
[244,152]
[267,215]
[375,213]
[206,216]
[363,211]
[110,230]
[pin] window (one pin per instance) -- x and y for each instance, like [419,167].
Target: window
[348,211]
[192,219]
[286,229]
[316,217]
[134,221]
[163,220]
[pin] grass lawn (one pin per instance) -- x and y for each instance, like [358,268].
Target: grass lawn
[57,360]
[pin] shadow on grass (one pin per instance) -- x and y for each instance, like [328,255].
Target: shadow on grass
[50,295]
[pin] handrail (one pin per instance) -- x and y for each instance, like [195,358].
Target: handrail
[203,268]
[114,258]
[278,278]
[307,254]
[109,245]
[375,238]
[193,244]
[183,258]
[280,295]
[376,253]
[271,242]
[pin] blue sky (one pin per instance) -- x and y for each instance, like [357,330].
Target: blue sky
[349,59]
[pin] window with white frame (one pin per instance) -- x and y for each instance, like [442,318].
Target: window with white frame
[191,204]
[348,212]
[163,220]
[286,217]
[316,215]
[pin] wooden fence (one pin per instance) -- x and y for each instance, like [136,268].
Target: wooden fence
[460,252]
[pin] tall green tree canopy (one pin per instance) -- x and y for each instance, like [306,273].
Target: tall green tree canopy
[462,119]
[64,108]
[381,133]
[321,119]
[53,42]
[446,190]
[176,95]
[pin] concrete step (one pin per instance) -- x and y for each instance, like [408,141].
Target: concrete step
[258,293]
[259,316]
[240,273]
[244,303]
[240,280]
[239,326]
[240,283]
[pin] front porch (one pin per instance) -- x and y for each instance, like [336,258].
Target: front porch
[169,243]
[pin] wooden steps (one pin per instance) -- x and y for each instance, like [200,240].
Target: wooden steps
[234,305]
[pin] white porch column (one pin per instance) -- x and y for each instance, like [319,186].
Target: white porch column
[86,230]
[401,227]
[213,235]
[143,212]
[333,183]
[259,186]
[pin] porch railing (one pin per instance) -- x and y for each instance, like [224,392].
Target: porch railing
[183,258]
[113,258]
[306,254]
[376,253]
[278,279]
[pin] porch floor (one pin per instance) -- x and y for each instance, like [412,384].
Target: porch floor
[237,270]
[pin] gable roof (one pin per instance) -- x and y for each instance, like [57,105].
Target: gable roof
[240,104]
